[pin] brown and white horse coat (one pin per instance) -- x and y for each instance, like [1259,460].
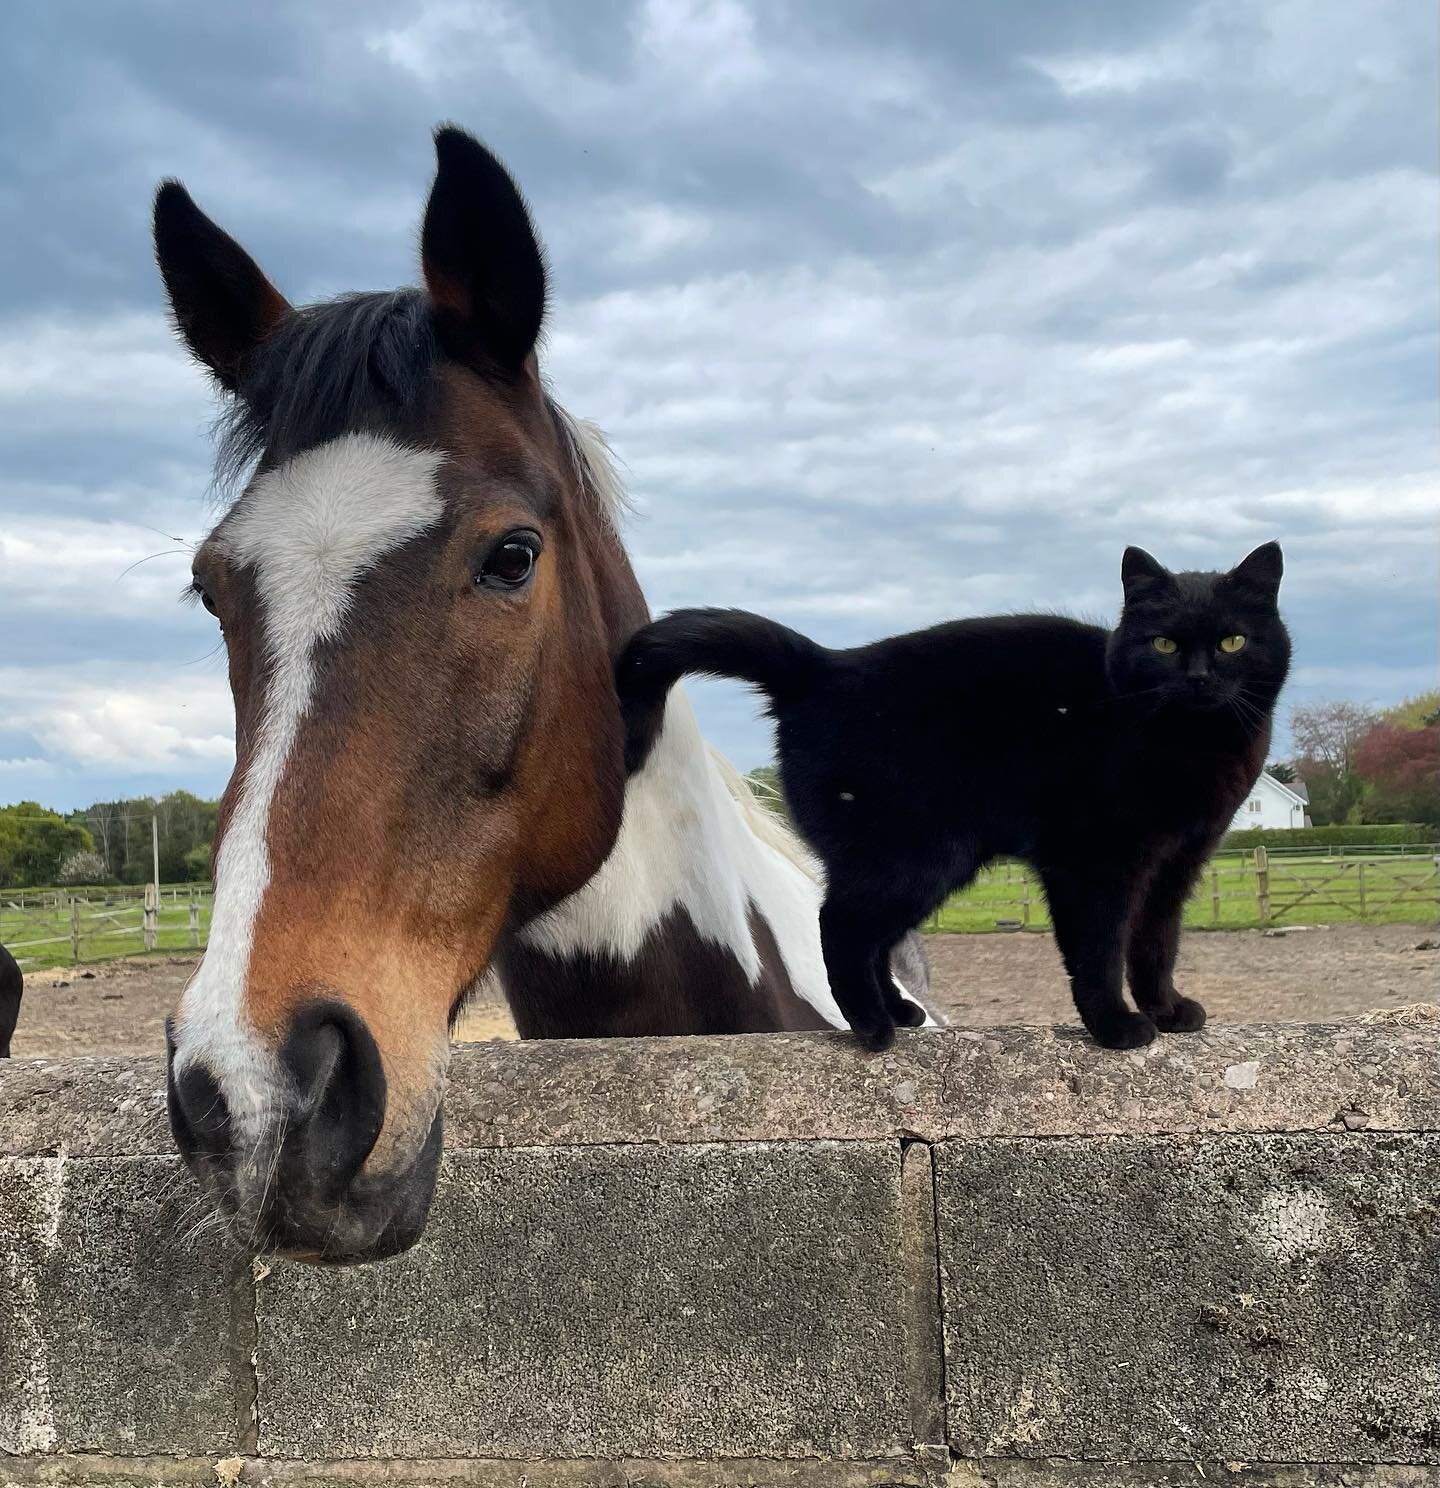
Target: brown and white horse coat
[423,592]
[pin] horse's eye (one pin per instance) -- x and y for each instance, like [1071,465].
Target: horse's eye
[511,562]
[1231,644]
[1164,645]
[203,595]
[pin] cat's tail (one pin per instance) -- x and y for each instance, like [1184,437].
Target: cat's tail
[718,643]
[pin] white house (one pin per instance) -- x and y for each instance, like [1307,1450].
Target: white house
[1271,804]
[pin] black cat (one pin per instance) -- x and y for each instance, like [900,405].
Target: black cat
[1112,761]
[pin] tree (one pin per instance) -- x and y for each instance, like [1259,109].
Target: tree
[1282,770]
[1326,736]
[1414,713]
[122,828]
[82,868]
[1401,767]
[34,842]
[1327,733]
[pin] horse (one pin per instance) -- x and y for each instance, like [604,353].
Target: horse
[422,591]
[12,986]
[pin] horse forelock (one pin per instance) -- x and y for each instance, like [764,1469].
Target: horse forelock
[366,363]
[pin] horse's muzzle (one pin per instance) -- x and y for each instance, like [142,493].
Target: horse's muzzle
[294,1181]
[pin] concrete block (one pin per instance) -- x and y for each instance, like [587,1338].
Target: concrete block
[636,1302]
[114,1335]
[1262,1298]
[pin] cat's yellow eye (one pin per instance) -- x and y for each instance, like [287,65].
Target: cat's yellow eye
[1165,646]
[1231,644]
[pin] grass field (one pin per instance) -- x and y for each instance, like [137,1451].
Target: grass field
[1302,890]
[1393,888]
[111,922]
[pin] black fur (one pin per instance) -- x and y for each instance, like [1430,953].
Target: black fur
[12,984]
[481,256]
[911,763]
[224,306]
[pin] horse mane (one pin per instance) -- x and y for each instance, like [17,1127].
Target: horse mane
[594,462]
[763,822]
[357,362]
[598,471]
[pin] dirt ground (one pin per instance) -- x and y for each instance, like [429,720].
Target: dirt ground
[1315,975]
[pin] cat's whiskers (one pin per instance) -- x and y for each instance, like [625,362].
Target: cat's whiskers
[1249,712]
[1125,697]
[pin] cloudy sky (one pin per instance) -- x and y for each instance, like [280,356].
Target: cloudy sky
[893,312]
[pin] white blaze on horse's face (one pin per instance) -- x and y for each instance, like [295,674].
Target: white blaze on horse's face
[306,532]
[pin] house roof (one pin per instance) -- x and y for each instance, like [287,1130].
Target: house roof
[1295,792]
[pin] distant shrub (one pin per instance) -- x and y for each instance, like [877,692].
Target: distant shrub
[1387,834]
[82,868]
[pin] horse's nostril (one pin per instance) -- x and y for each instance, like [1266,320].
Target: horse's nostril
[340,1094]
[199,1117]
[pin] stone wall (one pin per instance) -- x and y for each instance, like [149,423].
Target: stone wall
[1006,1258]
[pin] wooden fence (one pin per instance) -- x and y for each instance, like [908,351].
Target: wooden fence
[51,927]
[48,927]
[1255,888]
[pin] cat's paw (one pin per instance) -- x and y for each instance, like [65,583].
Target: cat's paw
[876,1037]
[1185,1015]
[1123,1030]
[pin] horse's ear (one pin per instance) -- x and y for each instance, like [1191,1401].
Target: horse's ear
[482,262]
[1260,570]
[1138,570]
[224,305]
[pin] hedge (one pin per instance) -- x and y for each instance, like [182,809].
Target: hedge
[1388,834]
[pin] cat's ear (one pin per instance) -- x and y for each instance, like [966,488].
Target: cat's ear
[1260,571]
[1139,571]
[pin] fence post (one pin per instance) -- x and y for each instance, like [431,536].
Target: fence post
[194,924]
[1024,896]
[1360,879]
[1262,885]
[152,916]
[74,929]
[1215,893]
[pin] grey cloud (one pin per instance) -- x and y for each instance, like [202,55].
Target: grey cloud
[895,312]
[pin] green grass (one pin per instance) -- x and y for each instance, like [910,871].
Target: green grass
[110,923]
[1303,891]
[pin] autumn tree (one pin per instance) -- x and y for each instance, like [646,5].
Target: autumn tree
[1401,766]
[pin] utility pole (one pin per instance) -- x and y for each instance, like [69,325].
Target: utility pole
[155,851]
